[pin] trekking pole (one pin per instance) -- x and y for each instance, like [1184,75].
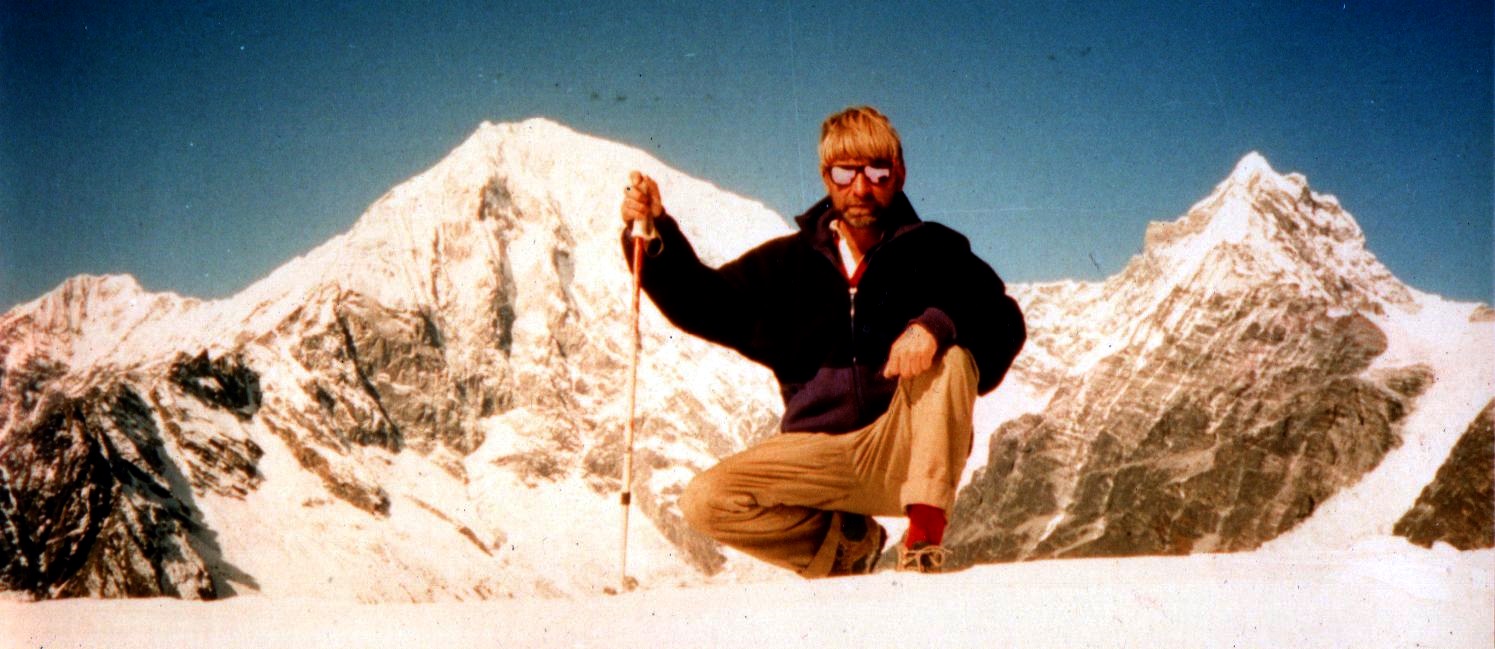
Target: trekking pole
[641,235]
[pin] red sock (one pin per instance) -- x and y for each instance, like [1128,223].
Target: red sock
[926,524]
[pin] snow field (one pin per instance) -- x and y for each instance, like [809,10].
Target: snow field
[1387,595]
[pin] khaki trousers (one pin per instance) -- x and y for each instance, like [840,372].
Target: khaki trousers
[781,500]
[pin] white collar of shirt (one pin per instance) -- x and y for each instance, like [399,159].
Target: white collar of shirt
[849,262]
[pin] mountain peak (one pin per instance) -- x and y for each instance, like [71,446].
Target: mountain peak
[1263,226]
[1254,164]
[74,296]
[1254,175]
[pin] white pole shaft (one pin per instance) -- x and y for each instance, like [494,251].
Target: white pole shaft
[628,429]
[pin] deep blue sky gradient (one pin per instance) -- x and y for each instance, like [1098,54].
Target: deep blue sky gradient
[198,146]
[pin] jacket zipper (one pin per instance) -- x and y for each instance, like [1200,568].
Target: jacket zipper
[856,372]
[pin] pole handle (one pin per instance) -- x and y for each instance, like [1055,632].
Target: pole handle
[643,230]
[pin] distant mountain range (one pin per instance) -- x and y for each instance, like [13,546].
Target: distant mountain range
[429,406]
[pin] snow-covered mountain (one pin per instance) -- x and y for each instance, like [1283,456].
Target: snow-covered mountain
[429,406]
[1255,367]
[426,407]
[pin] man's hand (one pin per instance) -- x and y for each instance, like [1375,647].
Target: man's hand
[641,201]
[912,353]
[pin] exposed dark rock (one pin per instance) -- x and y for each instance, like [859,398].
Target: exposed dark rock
[385,432]
[215,462]
[1458,506]
[1224,438]
[91,505]
[386,381]
[226,383]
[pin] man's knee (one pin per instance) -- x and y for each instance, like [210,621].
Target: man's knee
[957,359]
[954,365]
[695,503]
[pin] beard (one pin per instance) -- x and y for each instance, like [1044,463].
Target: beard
[861,216]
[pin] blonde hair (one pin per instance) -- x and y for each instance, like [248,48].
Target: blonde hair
[859,132]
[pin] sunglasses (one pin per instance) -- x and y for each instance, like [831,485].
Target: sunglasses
[876,174]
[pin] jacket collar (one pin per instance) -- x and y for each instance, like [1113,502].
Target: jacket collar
[815,223]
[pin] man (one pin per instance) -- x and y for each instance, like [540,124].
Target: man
[881,330]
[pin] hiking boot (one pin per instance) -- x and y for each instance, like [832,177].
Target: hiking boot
[858,550]
[923,557]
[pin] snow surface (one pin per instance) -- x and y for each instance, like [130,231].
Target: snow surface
[1387,594]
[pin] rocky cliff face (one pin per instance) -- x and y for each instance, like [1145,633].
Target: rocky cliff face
[1210,396]
[1458,506]
[106,516]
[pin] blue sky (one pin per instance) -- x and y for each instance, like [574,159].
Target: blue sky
[200,146]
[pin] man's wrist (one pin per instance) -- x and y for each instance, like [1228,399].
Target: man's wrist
[938,324]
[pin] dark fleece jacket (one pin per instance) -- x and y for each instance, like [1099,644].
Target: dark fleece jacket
[788,305]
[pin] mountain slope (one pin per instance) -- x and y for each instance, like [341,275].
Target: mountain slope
[1456,507]
[1253,362]
[428,406]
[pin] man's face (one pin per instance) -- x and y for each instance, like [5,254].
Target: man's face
[862,189]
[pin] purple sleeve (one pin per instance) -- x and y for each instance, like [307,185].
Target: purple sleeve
[937,323]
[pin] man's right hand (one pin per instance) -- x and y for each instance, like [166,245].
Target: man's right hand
[641,202]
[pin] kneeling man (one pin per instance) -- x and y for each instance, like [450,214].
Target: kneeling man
[881,330]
